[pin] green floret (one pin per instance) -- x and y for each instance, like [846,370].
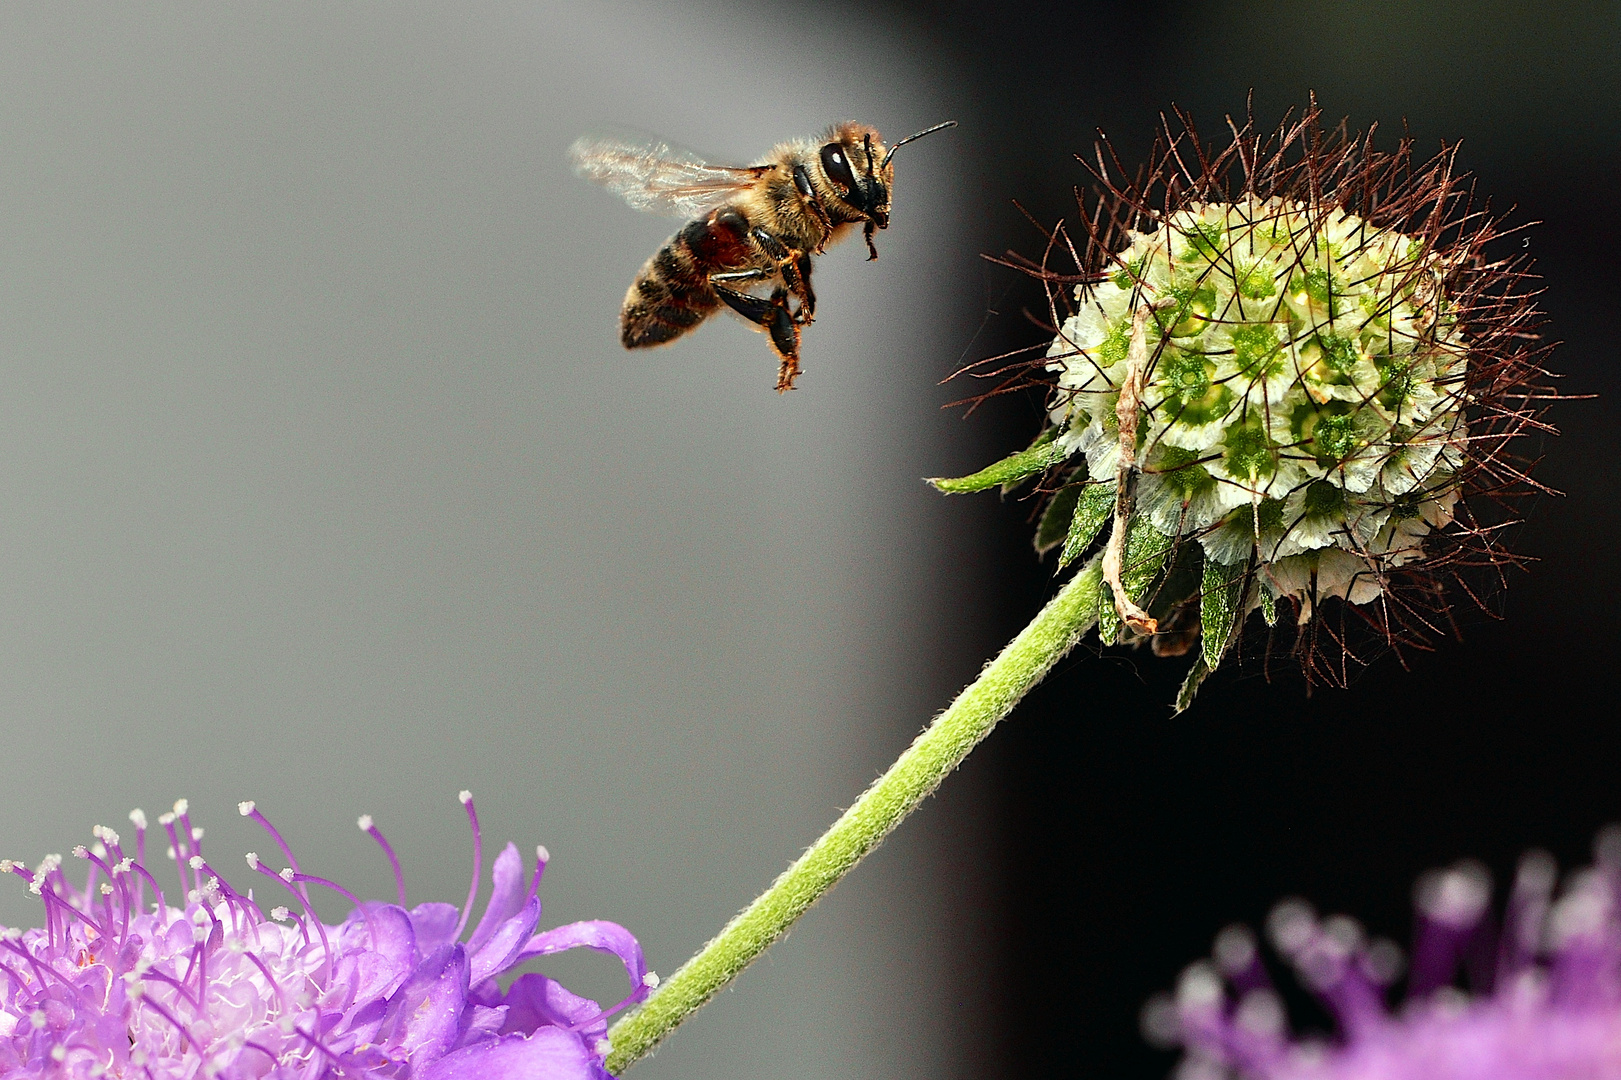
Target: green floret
[1116,343]
[1257,350]
[1250,453]
[1256,282]
[1205,238]
[1180,470]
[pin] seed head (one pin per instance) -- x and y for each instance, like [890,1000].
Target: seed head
[1286,378]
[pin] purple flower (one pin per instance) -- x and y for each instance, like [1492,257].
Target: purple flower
[121,983]
[1543,998]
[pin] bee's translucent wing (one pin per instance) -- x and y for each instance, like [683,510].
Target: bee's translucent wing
[658,178]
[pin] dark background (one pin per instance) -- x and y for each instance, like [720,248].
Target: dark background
[1129,837]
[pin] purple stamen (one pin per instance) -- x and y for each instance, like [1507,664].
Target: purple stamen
[346,894]
[466,798]
[157,889]
[16,977]
[52,897]
[185,1035]
[281,994]
[40,971]
[313,1041]
[302,896]
[167,821]
[376,834]
[137,817]
[178,984]
[194,841]
[248,810]
[542,857]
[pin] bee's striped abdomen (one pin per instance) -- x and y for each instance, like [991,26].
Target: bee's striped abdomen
[672,293]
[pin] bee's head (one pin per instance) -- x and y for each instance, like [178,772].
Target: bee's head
[856,162]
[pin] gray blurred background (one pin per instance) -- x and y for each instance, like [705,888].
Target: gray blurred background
[324,482]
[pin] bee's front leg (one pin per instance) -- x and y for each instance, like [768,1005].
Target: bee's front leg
[775,316]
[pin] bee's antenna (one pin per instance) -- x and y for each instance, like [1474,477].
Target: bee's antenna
[913,138]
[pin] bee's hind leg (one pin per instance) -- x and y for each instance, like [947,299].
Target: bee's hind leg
[778,321]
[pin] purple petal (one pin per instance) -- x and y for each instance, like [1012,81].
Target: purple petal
[549,1054]
[534,1001]
[427,1010]
[435,925]
[505,900]
[593,934]
[497,956]
[381,963]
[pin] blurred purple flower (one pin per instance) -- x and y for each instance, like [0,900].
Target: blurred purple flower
[112,986]
[1543,999]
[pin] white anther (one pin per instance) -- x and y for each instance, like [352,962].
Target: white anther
[365,823]
[37,1019]
[199,934]
[1261,1012]
[1235,949]
[650,980]
[195,862]
[1455,897]
[465,797]
[13,933]
[286,875]
[106,888]
[603,1047]
[6,865]
[245,807]
[194,897]
[181,806]
[542,854]
[124,865]
[1199,988]
[99,850]
[1159,1024]
[59,1053]
[165,819]
[137,818]
[1291,925]
[279,913]
[81,852]
[170,853]
[253,860]
[196,833]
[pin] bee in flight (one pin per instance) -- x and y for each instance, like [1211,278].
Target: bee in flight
[752,228]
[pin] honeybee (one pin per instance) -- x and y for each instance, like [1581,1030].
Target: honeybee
[752,228]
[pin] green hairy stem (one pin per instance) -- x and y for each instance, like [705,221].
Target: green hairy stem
[916,773]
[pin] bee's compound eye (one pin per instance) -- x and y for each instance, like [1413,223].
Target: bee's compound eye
[838,166]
